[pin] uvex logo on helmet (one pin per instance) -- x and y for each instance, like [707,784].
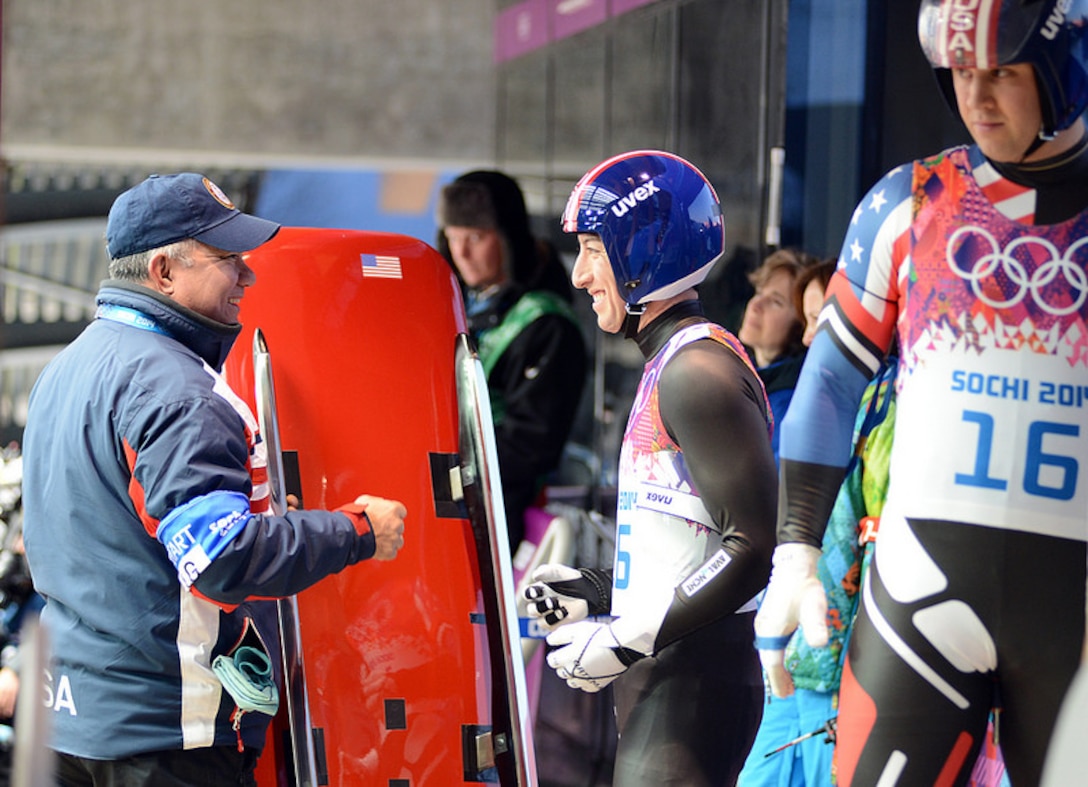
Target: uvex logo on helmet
[1056,19]
[641,194]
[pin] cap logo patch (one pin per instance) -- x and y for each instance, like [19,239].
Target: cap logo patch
[218,195]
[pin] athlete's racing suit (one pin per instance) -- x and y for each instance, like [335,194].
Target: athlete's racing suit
[148,531]
[977,591]
[695,525]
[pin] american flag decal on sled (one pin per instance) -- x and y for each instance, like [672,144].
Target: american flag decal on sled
[380,267]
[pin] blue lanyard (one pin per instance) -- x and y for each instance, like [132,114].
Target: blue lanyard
[127,316]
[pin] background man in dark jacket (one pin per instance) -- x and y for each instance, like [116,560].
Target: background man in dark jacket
[517,298]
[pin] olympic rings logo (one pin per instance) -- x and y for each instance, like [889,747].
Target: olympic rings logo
[986,266]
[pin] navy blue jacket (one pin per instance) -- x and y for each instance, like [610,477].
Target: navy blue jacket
[139,464]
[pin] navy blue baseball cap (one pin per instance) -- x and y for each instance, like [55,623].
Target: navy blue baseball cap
[166,209]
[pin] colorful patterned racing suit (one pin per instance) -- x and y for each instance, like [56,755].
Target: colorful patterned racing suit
[977,591]
[695,525]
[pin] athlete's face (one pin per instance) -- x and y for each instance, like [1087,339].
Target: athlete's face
[593,273]
[478,255]
[1000,107]
[812,300]
[211,282]
[769,318]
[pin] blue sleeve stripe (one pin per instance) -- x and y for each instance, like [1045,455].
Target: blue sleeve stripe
[819,426]
[197,532]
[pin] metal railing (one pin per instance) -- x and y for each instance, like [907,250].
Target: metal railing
[49,273]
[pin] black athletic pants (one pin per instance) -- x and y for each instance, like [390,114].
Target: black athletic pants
[218,766]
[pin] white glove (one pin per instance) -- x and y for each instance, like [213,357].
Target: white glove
[794,595]
[561,594]
[589,655]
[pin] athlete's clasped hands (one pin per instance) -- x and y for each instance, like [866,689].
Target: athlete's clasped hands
[589,655]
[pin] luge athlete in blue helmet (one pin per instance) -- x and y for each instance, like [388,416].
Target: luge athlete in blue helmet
[695,520]
[977,259]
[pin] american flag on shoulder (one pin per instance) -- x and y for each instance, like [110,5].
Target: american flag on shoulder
[380,266]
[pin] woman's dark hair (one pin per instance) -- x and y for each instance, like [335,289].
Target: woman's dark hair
[820,271]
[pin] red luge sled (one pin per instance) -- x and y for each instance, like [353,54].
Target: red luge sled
[408,672]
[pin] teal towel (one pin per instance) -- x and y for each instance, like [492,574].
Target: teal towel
[247,677]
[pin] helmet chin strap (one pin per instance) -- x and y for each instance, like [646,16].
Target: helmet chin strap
[1042,137]
[630,322]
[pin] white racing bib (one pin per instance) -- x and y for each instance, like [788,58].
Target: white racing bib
[995,438]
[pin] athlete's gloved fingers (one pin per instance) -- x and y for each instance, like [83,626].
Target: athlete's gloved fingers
[554,572]
[585,667]
[542,606]
[540,591]
[564,636]
[587,653]
[570,644]
[556,618]
[778,677]
[793,578]
[534,592]
[775,617]
[552,610]
[549,612]
[813,615]
[589,686]
[537,601]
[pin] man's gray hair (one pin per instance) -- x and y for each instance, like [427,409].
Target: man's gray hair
[134,266]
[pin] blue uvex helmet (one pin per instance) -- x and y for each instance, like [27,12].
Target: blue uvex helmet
[1047,34]
[658,217]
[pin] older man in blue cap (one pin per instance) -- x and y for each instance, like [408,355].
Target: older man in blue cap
[147,517]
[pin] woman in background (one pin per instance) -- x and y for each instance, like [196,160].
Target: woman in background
[772,329]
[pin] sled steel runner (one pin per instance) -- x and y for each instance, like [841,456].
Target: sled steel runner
[509,744]
[294,673]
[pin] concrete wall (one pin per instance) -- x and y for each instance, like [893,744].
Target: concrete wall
[342,78]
